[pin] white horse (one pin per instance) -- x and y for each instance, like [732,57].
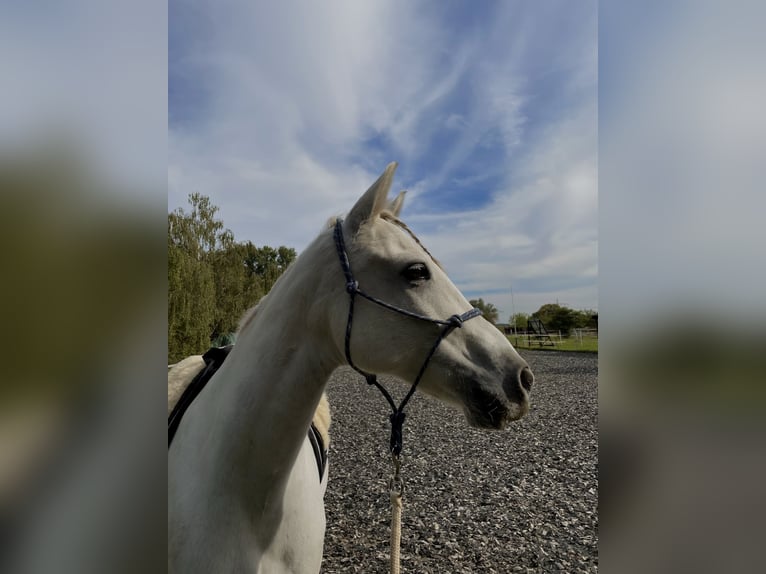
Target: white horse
[243,490]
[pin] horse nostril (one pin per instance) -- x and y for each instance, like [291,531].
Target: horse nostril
[527,378]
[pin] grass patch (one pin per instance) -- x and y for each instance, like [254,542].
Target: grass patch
[586,345]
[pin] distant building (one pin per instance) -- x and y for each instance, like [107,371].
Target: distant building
[505,328]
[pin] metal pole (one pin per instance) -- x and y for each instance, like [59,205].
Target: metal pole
[513,311]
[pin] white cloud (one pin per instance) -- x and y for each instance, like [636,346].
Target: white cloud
[297,92]
[541,230]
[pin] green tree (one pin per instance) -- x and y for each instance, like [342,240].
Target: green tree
[489,311]
[198,232]
[519,321]
[268,263]
[556,317]
[195,281]
[191,289]
[235,288]
[243,274]
[212,279]
[585,319]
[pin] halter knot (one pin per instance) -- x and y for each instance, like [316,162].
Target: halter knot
[352,287]
[456,321]
[397,421]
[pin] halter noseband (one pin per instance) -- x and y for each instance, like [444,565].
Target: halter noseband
[352,287]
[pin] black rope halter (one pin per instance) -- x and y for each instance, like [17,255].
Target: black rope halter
[352,287]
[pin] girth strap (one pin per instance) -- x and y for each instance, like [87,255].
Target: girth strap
[320,452]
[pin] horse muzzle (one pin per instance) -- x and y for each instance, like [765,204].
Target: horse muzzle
[518,385]
[494,409]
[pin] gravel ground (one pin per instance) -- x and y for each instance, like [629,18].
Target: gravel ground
[522,500]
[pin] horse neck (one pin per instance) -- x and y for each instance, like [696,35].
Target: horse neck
[274,377]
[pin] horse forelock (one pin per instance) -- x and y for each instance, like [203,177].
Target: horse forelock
[331,222]
[391,218]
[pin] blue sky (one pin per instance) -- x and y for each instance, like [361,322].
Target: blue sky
[284,113]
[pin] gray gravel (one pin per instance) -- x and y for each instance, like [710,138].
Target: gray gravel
[522,500]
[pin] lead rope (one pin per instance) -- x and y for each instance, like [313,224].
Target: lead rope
[395,491]
[396,486]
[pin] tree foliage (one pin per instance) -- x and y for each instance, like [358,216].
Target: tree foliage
[557,317]
[489,311]
[212,279]
[518,321]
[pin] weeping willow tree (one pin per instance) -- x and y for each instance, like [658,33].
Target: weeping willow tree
[212,279]
[192,237]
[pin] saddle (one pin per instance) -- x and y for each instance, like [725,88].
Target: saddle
[214,358]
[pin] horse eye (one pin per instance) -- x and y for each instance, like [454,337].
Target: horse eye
[416,272]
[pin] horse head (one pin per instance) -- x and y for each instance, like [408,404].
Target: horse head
[474,368]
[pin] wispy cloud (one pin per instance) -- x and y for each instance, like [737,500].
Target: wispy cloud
[287,112]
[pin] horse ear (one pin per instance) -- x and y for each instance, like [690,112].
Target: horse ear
[373,201]
[395,206]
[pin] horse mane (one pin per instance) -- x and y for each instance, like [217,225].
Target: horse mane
[249,315]
[391,218]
